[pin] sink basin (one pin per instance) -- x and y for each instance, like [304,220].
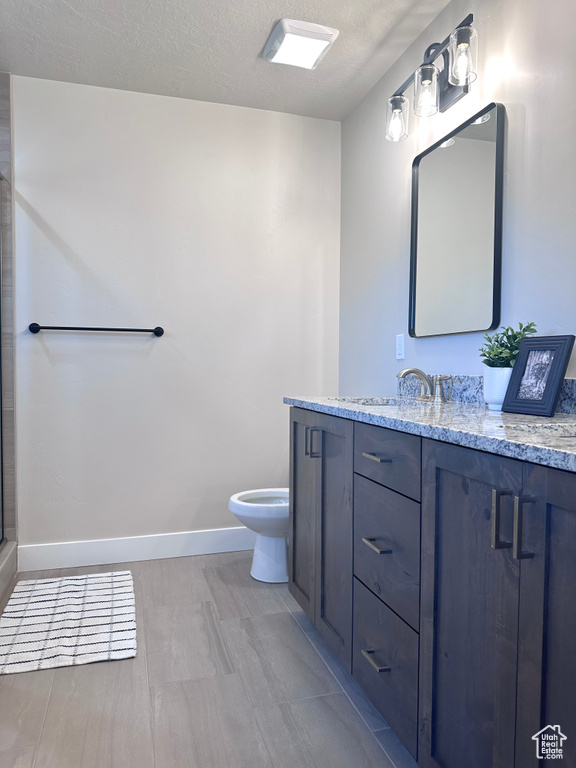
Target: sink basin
[373,401]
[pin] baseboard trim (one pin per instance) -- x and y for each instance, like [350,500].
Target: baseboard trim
[68,554]
[8,566]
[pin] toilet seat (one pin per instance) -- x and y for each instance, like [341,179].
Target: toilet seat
[264,501]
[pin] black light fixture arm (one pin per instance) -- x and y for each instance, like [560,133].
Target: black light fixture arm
[432,53]
[35,328]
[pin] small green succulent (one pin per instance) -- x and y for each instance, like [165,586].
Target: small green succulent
[501,349]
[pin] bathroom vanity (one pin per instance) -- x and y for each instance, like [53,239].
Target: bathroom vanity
[433,548]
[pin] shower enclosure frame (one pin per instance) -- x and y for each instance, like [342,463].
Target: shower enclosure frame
[2,505]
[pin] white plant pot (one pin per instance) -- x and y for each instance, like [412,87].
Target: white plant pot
[495,386]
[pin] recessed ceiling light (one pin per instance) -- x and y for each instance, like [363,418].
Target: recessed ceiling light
[298,43]
[447,143]
[483,119]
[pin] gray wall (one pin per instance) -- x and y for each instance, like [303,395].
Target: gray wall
[526,61]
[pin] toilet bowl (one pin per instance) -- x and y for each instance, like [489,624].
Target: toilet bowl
[265,511]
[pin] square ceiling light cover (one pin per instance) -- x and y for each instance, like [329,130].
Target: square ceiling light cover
[299,43]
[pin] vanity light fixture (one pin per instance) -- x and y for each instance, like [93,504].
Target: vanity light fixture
[298,43]
[434,88]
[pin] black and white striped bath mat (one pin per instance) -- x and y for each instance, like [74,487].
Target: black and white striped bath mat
[68,621]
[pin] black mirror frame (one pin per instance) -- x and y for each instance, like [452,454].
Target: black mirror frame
[498,203]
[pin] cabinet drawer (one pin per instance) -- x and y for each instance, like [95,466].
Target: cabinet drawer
[388,522]
[388,457]
[383,641]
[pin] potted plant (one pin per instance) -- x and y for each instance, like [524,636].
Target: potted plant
[499,353]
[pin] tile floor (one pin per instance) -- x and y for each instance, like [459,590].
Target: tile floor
[229,674]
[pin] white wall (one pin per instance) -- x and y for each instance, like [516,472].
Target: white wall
[526,58]
[220,224]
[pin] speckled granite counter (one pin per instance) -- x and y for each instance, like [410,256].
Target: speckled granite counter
[551,442]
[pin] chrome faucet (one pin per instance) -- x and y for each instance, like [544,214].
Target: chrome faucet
[426,386]
[431,389]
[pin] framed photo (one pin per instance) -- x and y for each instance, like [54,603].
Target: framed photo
[538,375]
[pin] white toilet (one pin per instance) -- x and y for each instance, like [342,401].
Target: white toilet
[266,512]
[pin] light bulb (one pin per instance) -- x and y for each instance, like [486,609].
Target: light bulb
[462,65]
[397,119]
[426,90]
[396,127]
[426,100]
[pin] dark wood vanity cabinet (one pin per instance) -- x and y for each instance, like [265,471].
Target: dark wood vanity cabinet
[469,617]
[463,569]
[387,574]
[303,499]
[547,613]
[498,619]
[320,540]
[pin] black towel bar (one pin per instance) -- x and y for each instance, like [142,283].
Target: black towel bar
[35,328]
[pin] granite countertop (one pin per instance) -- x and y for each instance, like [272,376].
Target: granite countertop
[541,440]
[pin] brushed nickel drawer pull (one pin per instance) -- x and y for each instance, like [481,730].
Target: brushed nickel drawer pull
[315,454]
[517,552]
[497,543]
[370,543]
[373,457]
[368,655]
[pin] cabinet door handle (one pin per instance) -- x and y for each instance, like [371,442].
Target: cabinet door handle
[306,448]
[496,542]
[314,454]
[373,457]
[517,552]
[370,543]
[368,655]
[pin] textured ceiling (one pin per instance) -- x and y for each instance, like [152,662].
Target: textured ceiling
[210,49]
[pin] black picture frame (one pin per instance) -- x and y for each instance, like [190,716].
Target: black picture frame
[538,374]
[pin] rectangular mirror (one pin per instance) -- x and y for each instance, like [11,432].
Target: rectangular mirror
[456,232]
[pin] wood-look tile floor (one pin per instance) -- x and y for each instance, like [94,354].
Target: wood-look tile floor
[229,674]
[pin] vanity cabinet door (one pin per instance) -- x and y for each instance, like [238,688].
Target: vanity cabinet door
[332,444]
[469,609]
[304,491]
[320,539]
[547,627]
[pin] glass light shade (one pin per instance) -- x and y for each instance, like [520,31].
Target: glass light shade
[463,56]
[426,90]
[397,118]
